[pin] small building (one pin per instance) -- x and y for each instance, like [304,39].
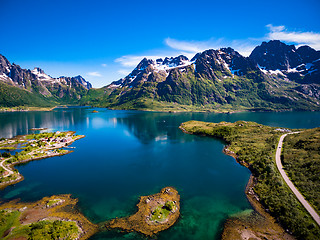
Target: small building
[282,130]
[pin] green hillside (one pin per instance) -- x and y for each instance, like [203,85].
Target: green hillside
[11,96]
[190,91]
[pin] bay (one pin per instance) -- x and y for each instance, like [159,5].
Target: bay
[126,154]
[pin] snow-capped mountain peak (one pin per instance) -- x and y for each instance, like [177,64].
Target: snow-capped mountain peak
[146,66]
[41,74]
[170,63]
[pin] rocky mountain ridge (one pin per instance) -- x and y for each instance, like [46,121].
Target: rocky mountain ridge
[36,81]
[275,76]
[297,64]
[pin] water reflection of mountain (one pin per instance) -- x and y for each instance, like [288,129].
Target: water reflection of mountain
[150,126]
[146,126]
[18,123]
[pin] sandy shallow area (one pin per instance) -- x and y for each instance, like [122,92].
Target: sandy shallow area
[257,224]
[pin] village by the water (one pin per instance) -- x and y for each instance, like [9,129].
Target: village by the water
[31,147]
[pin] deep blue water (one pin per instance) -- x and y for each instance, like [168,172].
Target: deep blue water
[126,154]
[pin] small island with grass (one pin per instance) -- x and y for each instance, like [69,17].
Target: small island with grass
[155,213]
[33,147]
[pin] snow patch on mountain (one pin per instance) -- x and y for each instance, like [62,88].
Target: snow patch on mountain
[42,76]
[270,72]
[276,72]
[171,63]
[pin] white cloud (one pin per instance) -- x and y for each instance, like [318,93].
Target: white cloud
[124,71]
[176,47]
[104,65]
[133,61]
[244,47]
[300,38]
[94,74]
[188,46]
[275,28]
[129,60]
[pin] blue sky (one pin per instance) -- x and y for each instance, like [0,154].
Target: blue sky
[104,40]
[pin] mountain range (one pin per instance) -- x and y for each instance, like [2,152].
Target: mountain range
[24,87]
[275,76]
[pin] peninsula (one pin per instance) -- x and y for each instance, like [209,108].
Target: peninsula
[155,213]
[33,147]
[254,146]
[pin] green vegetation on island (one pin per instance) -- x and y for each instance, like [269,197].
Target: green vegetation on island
[254,146]
[162,212]
[10,228]
[155,213]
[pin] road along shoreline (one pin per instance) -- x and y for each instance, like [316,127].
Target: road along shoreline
[295,191]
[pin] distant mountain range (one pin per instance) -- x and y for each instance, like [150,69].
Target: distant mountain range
[275,76]
[23,87]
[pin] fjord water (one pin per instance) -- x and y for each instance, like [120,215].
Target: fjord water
[126,154]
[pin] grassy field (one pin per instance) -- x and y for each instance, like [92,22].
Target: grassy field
[162,212]
[10,228]
[254,146]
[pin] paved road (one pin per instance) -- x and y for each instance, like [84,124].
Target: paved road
[307,206]
[5,168]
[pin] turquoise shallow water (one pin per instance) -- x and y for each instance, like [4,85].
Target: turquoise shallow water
[126,154]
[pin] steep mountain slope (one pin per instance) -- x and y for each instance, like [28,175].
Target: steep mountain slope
[39,86]
[301,65]
[275,76]
[11,96]
[212,80]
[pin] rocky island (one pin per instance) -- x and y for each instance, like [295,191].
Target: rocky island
[155,213]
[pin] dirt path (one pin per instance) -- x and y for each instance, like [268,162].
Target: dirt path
[296,192]
[10,172]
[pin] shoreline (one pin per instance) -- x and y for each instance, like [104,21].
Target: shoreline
[20,177]
[177,110]
[209,110]
[243,227]
[27,109]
